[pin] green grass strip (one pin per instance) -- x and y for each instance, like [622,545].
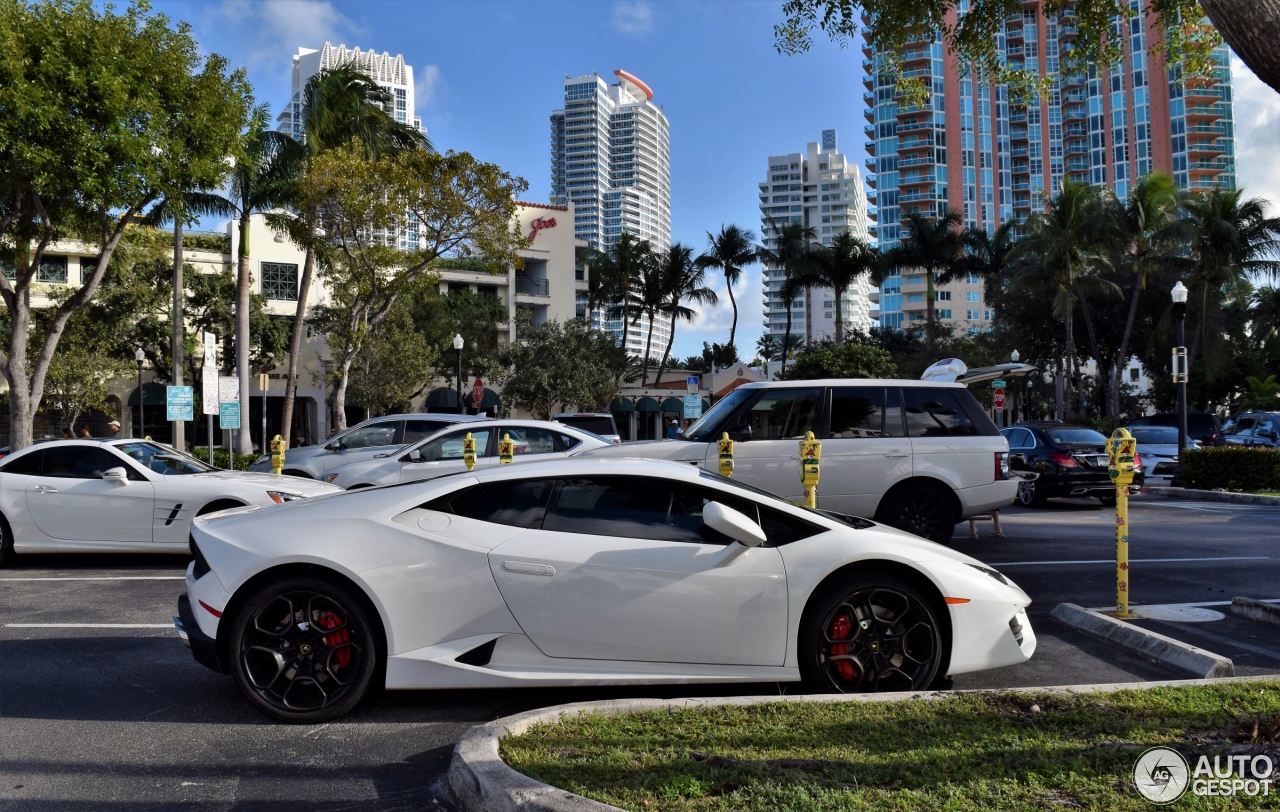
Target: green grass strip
[965,752]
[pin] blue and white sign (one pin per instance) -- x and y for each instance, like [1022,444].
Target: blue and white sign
[180,403]
[691,384]
[692,406]
[229,415]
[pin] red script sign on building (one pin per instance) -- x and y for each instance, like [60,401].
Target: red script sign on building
[538,224]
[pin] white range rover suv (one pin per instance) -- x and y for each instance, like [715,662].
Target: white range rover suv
[917,455]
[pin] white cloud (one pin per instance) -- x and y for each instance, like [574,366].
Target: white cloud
[427,87]
[1257,124]
[273,30]
[713,322]
[632,16]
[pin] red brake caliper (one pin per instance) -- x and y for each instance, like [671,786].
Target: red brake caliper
[328,620]
[840,630]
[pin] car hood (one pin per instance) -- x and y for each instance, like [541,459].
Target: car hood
[287,484]
[676,450]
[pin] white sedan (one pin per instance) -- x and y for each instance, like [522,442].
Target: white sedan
[577,572]
[121,496]
[441,453]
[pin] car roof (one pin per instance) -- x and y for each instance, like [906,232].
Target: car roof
[457,418]
[907,382]
[585,414]
[596,466]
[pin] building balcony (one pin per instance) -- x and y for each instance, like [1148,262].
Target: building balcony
[1074,96]
[1200,92]
[1207,167]
[916,73]
[870,147]
[1203,148]
[1018,118]
[919,142]
[869,99]
[1013,51]
[1205,112]
[1016,151]
[1021,186]
[1016,134]
[1013,33]
[910,126]
[915,56]
[869,81]
[929,194]
[1021,169]
[1067,32]
[531,287]
[1075,130]
[1076,165]
[1075,112]
[926,159]
[1078,146]
[1076,79]
[869,113]
[869,131]
[920,180]
[1206,183]
[869,181]
[1207,129]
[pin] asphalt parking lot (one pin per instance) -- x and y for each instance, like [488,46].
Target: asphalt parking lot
[102,708]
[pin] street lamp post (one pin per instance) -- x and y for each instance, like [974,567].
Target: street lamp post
[457,346]
[1179,294]
[1013,390]
[139,355]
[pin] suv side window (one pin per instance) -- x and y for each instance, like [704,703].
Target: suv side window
[936,413]
[28,464]
[449,447]
[638,507]
[782,414]
[857,412]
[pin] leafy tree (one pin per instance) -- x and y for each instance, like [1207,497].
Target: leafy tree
[614,276]
[559,363]
[80,378]
[460,206]
[650,297]
[849,360]
[838,266]
[730,251]
[1261,394]
[785,247]
[683,280]
[101,114]
[393,366]
[935,246]
[474,316]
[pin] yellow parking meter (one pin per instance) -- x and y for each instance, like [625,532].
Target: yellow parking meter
[469,451]
[725,446]
[810,455]
[1121,452]
[277,454]
[506,449]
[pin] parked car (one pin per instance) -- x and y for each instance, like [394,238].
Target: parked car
[441,453]
[1205,427]
[581,572]
[1254,429]
[1068,461]
[598,423]
[917,455]
[121,496]
[1158,448]
[363,441]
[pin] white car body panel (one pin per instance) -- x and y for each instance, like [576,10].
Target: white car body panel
[631,612]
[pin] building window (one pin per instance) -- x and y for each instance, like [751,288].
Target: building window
[972,315]
[280,281]
[1133,374]
[53,270]
[943,295]
[944,313]
[972,296]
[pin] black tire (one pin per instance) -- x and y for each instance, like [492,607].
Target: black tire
[1108,501]
[304,650]
[870,633]
[7,554]
[1029,495]
[920,509]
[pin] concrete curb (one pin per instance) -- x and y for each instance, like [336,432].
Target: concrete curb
[480,781]
[1213,496]
[1256,610]
[1148,645]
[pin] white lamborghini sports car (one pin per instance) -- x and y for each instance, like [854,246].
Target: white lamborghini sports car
[581,571]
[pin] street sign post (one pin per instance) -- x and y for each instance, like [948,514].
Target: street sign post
[997,397]
[179,403]
[209,385]
[229,410]
[997,384]
[477,393]
[691,385]
[229,415]
[692,407]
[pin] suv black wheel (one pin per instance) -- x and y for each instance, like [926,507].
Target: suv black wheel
[869,633]
[6,543]
[303,650]
[1027,495]
[922,510]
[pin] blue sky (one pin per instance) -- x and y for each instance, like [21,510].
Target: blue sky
[488,75]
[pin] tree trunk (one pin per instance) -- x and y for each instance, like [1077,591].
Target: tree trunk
[178,327]
[839,321]
[733,328]
[1072,367]
[786,341]
[244,441]
[340,392]
[1251,28]
[929,310]
[1097,356]
[1122,356]
[671,339]
[295,346]
[648,345]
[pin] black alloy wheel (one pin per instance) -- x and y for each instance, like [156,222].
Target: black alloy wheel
[870,634]
[1027,493]
[922,511]
[304,650]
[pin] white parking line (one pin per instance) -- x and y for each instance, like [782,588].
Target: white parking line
[88,625]
[1131,560]
[105,578]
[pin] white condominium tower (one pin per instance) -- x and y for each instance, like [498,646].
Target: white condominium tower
[611,156]
[822,190]
[389,72]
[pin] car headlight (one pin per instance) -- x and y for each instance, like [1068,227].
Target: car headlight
[999,577]
[280,497]
[262,459]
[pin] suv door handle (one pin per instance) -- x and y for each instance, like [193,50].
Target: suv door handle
[46,489]
[895,454]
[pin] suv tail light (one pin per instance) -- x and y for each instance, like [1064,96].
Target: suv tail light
[1064,460]
[1002,465]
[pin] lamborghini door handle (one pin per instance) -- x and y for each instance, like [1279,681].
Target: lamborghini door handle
[895,455]
[45,489]
[525,568]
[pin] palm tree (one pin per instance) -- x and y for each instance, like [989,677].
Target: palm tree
[1141,229]
[935,246]
[767,346]
[789,254]
[650,298]
[614,274]
[847,260]
[1062,238]
[262,179]
[683,280]
[1264,316]
[339,105]
[990,256]
[730,250]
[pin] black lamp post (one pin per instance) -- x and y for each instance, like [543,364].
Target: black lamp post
[457,346]
[1180,370]
[1013,393]
[139,355]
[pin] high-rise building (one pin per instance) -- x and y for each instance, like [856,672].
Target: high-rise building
[389,72]
[975,151]
[611,156]
[821,189]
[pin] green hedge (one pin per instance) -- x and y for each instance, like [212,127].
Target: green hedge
[1232,468]
[243,461]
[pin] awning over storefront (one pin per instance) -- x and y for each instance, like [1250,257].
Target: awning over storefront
[647,404]
[153,394]
[673,405]
[621,404]
[706,405]
[442,398]
[490,400]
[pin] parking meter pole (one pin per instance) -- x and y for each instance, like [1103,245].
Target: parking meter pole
[725,447]
[469,451]
[506,450]
[1121,448]
[277,455]
[810,454]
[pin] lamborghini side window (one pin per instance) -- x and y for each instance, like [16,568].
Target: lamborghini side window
[518,504]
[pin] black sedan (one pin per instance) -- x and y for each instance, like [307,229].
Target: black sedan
[1067,461]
